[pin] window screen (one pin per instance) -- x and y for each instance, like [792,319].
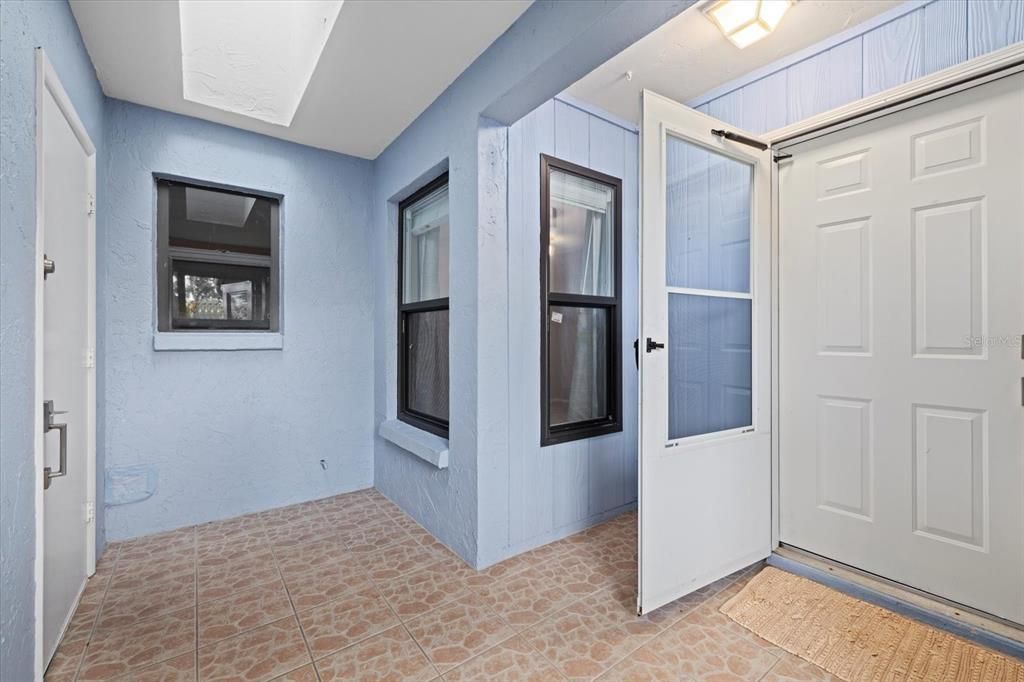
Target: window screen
[423,308]
[581,360]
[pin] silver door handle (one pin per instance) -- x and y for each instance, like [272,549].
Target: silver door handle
[49,267]
[48,425]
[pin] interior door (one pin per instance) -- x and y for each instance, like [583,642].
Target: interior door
[902,307]
[705,444]
[67,364]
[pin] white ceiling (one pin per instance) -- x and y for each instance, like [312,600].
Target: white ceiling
[384,63]
[689,56]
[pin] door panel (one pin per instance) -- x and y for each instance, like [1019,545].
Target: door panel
[902,306]
[66,372]
[705,442]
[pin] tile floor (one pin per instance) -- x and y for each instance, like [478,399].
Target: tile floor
[350,588]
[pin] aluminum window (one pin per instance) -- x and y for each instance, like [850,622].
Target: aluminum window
[423,246]
[581,302]
[217,256]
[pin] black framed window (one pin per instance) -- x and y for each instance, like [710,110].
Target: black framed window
[217,259]
[423,244]
[581,302]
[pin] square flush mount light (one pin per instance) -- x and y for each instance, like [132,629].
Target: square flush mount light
[253,57]
[744,22]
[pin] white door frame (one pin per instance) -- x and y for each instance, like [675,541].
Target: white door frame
[48,82]
[969,74]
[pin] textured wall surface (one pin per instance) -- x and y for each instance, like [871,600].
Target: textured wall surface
[230,432]
[919,39]
[551,46]
[553,491]
[23,27]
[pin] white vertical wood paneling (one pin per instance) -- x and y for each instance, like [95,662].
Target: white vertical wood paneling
[606,453]
[631,312]
[993,24]
[944,34]
[532,498]
[572,462]
[558,488]
[825,81]
[764,104]
[894,53]
[934,36]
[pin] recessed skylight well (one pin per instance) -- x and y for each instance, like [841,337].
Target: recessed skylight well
[253,57]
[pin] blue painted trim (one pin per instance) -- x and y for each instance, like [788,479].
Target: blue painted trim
[1003,645]
[218,341]
[597,112]
[808,52]
[426,446]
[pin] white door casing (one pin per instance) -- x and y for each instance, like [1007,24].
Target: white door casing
[901,309]
[705,440]
[65,358]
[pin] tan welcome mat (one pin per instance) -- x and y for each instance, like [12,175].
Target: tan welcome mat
[858,641]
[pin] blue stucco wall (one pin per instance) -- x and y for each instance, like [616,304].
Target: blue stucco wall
[231,432]
[23,27]
[552,45]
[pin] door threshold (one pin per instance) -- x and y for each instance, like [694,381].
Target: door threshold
[985,629]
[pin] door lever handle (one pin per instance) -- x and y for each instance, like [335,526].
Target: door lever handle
[48,425]
[653,345]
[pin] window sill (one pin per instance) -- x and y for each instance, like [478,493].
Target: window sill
[218,341]
[424,445]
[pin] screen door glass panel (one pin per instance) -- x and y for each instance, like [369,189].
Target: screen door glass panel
[707,219]
[707,232]
[709,364]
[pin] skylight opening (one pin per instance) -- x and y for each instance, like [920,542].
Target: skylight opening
[253,57]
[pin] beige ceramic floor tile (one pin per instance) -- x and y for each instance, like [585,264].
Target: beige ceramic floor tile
[327,582]
[156,599]
[391,656]
[82,622]
[511,661]
[179,669]
[219,581]
[232,549]
[118,651]
[402,558]
[228,529]
[297,560]
[592,634]
[791,668]
[361,538]
[242,611]
[64,665]
[306,673]
[456,632]
[346,621]
[256,656]
[416,593]
[527,597]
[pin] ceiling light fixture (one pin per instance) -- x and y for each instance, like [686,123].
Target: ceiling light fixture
[744,22]
[253,57]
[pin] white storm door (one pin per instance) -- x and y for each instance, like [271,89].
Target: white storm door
[67,177]
[705,444]
[902,306]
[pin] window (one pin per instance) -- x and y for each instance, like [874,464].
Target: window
[423,308]
[581,290]
[217,259]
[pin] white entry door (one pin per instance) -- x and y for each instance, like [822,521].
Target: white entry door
[66,174]
[902,307]
[705,451]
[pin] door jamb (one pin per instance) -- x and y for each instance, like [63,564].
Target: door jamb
[939,84]
[48,81]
